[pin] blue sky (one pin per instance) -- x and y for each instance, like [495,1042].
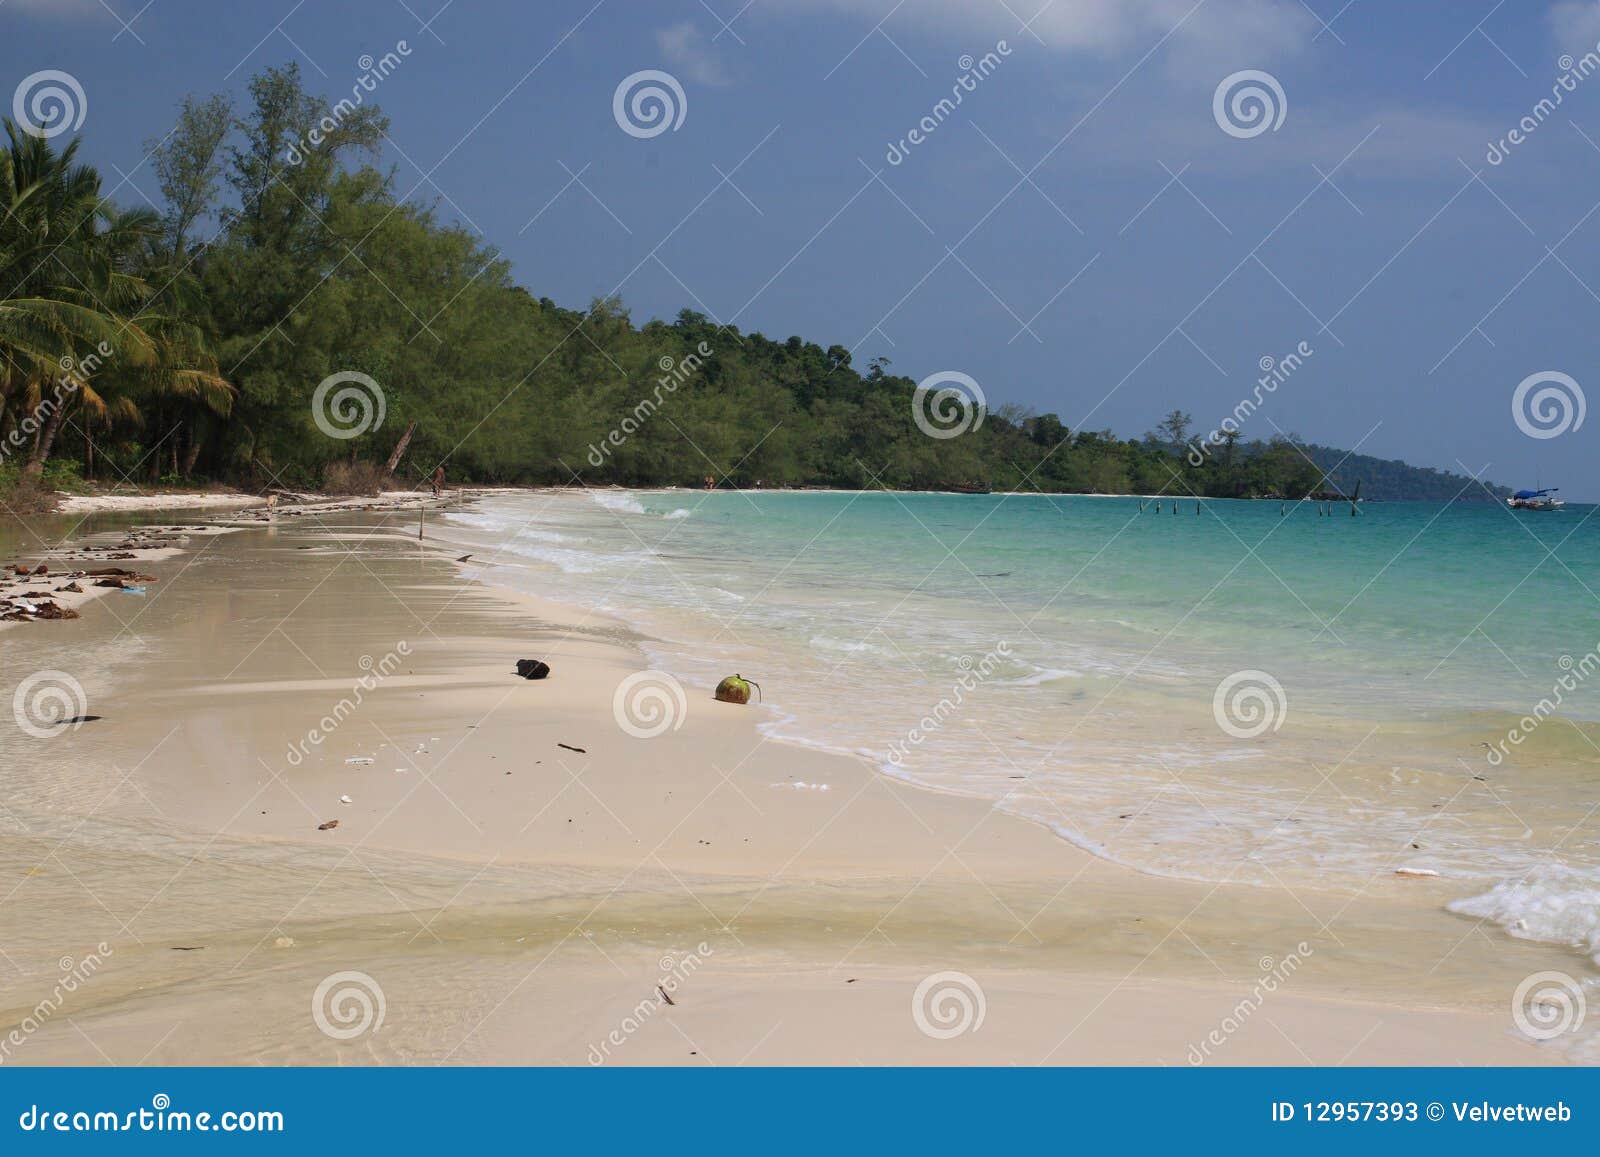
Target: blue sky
[1080,235]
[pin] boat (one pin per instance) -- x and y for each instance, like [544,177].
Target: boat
[968,488]
[1535,500]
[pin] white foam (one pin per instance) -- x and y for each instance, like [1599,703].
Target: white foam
[1558,905]
[681,512]
[617,500]
[823,642]
[1042,675]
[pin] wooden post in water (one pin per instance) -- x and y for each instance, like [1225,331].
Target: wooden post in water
[422,507]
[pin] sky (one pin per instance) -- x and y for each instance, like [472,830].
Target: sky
[1096,229]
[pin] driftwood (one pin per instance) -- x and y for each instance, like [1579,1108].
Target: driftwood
[390,466]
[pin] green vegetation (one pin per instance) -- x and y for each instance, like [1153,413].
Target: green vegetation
[187,344]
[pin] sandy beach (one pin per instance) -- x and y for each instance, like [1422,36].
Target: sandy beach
[516,878]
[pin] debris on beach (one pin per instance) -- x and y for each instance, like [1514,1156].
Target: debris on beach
[532,668]
[736,689]
[328,826]
[346,799]
[359,759]
[569,747]
[47,609]
[283,942]
[1415,872]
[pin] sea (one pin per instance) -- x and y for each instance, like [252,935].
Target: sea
[1264,693]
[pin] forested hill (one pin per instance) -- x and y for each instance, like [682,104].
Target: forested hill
[1390,480]
[286,317]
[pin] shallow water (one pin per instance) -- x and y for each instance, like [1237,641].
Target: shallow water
[1228,693]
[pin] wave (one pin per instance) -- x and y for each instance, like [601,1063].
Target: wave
[1555,904]
[617,500]
[853,647]
[1042,675]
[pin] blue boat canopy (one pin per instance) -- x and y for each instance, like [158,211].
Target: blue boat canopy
[1535,493]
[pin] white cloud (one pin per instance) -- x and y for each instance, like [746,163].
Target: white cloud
[688,51]
[1242,29]
[63,8]
[1576,24]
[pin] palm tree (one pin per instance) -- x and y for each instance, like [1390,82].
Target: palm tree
[87,300]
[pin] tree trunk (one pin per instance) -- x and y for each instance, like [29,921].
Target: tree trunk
[41,448]
[192,456]
[400,450]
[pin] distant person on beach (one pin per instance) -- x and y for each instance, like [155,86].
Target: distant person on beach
[438,481]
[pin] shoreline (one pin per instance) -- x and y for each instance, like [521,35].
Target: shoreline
[822,910]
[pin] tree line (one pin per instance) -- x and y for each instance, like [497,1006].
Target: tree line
[187,344]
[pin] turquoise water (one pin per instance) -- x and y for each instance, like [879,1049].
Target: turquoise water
[1062,656]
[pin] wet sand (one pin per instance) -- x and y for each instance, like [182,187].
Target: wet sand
[505,899]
